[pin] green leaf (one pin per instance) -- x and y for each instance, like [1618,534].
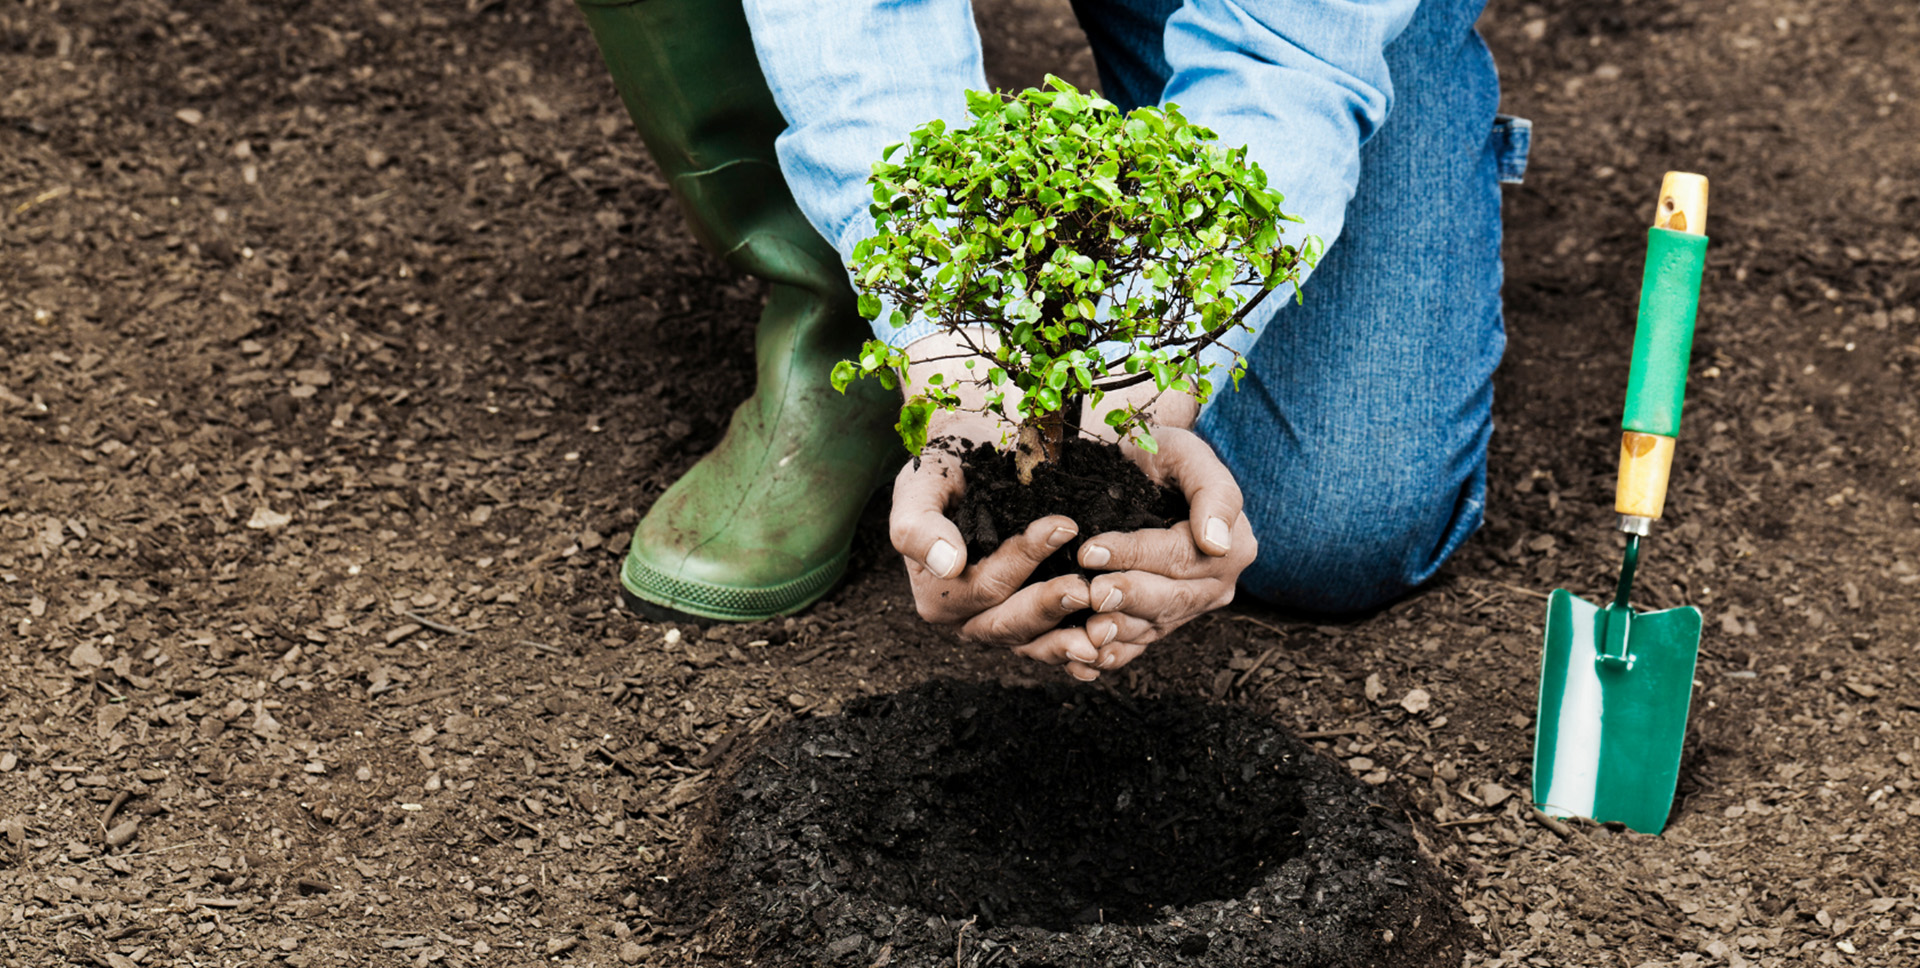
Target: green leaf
[912,426]
[1141,439]
[843,374]
[1162,375]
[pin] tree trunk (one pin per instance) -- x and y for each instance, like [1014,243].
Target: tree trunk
[1039,442]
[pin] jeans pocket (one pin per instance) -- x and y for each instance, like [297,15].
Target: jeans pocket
[1512,138]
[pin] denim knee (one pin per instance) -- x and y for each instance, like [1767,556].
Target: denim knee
[1339,536]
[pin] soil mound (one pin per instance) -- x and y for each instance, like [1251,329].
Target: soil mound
[971,825]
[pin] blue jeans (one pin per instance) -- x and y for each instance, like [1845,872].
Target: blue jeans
[1359,435]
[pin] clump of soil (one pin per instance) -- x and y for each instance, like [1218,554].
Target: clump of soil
[1092,482]
[967,824]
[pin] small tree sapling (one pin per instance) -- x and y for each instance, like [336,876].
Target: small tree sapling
[1074,251]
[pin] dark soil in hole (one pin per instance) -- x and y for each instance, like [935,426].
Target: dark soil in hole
[1093,483]
[1064,827]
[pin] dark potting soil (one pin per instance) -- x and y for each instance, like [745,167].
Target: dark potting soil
[1093,483]
[968,824]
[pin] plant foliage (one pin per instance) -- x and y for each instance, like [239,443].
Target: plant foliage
[1074,250]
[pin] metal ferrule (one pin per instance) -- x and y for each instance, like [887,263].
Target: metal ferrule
[1635,524]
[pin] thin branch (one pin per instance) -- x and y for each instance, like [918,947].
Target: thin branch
[1193,351]
[967,338]
[949,356]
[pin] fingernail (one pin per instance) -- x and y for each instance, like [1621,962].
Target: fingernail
[1082,652]
[1095,557]
[943,559]
[1219,535]
[1106,661]
[1113,631]
[1071,603]
[1112,601]
[1089,677]
[1060,536]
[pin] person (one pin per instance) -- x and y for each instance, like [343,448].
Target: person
[1348,466]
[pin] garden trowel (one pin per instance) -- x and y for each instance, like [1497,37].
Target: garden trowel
[1615,684]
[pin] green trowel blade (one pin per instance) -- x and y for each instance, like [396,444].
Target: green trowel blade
[1607,741]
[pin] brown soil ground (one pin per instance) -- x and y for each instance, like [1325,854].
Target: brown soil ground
[341,345]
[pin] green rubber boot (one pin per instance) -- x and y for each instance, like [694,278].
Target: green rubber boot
[762,525]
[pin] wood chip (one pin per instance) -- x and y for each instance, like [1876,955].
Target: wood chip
[119,800]
[267,519]
[123,834]
[1416,701]
[436,626]
[1559,829]
[1493,794]
[1255,667]
[804,657]
[225,903]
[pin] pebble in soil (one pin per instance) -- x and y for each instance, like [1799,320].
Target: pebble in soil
[968,824]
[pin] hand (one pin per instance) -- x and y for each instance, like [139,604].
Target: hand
[1160,579]
[987,600]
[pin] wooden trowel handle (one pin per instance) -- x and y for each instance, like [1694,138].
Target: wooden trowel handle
[1683,203]
[1662,346]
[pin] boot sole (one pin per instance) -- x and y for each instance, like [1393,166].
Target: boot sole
[661,597]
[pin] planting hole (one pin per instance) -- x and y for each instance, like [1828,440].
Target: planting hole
[1066,820]
[1051,812]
